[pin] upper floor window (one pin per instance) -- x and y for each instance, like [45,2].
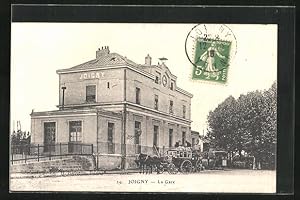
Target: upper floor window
[137,95]
[156,102]
[90,93]
[172,86]
[171,107]
[183,111]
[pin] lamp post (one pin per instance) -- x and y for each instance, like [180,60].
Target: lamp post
[63,96]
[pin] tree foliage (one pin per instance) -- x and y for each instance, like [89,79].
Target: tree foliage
[20,138]
[248,124]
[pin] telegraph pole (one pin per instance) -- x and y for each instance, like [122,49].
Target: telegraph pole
[123,165]
[63,96]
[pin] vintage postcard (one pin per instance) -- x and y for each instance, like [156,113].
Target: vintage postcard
[143,107]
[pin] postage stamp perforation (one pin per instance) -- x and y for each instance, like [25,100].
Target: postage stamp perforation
[215,83]
[216,39]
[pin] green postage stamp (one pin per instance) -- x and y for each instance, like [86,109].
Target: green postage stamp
[210,49]
[211,60]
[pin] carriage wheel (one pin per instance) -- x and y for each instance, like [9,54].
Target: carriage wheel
[198,165]
[160,169]
[186,166]
[172,169]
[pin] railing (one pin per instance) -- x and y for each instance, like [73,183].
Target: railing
[131,149]
[27,153]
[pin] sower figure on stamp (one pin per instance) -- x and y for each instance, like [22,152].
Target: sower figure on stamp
[209,57]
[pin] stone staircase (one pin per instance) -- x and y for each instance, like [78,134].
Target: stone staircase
[69,163]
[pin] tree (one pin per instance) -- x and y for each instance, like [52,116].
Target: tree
[268,139]
[248,124]
[223,126]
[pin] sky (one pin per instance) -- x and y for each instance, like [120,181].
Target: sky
[39,49]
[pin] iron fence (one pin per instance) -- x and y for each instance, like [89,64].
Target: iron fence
[27,153]
[131,149]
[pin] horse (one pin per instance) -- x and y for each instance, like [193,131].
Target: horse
[146,163]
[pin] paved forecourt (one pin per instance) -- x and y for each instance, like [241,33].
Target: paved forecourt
[233,181]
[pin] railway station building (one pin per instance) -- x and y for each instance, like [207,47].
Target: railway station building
[119,107]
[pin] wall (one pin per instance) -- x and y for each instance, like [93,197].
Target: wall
[147,135]
[76,82]
[62,128]
[148,90]
[103,134]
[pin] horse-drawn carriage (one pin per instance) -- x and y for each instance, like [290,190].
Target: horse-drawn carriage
[185,159]
[182,159]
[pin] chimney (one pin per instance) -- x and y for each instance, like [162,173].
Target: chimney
[148,60]
[102,52]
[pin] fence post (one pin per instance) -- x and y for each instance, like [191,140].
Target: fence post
[38,152]
[81,149]
[12,156]
[92,149]
[49,151]
[25,157]
[60,150]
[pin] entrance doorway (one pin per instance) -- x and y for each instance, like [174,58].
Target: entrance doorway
[49,136]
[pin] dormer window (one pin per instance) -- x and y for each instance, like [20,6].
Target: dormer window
[172,86]
[156,79]
[137,95]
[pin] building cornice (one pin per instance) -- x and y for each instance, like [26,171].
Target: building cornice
[38,115]
[184,92]
[159,112]
[128,103]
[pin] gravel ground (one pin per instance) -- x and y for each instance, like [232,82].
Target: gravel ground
[233,181]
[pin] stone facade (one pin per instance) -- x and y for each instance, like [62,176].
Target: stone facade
[120,107]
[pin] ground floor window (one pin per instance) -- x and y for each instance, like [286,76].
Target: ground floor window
[170,137]
[193,142]
[155,136]
[183,138]
[75,128]
[110,135]
[137,132]
[75,136]
[137,135]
